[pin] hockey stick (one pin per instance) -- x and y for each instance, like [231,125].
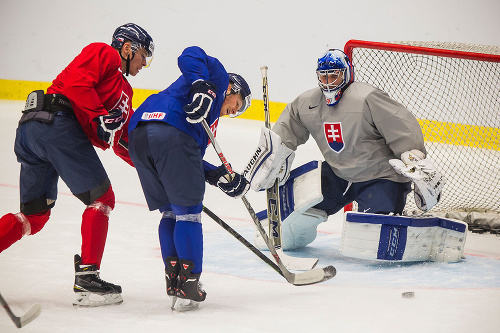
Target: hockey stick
[24,319]
[298,279]
[273,202]
[242,240]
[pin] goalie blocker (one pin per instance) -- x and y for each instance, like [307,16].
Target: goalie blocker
[402,238]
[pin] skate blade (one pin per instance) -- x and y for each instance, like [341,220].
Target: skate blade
[174,299]
[88,299]
[182,305]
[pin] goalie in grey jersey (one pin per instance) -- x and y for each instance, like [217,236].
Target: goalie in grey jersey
[372,145]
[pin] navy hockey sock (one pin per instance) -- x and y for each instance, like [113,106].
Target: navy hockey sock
[188,237]
[166,235]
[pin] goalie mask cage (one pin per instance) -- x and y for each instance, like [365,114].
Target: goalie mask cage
[453,90]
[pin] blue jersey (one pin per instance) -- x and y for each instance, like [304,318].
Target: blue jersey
[167,105]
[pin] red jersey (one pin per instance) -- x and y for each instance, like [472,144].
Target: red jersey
[94,84]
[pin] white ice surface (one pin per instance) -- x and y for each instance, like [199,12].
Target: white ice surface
[244,294]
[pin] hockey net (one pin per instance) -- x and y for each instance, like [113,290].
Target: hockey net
[453,89]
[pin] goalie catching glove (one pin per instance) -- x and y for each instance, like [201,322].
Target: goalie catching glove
[235,188]
[271,160]
[421,171]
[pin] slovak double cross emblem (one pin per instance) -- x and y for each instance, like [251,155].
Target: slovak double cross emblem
[333,135]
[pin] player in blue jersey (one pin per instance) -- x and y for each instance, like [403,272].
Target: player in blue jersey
[167,144]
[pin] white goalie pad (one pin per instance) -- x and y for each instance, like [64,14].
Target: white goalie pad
[298,195]
[271,160]
[421,171]
[402,238]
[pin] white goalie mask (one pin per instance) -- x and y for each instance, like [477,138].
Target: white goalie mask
[334,72]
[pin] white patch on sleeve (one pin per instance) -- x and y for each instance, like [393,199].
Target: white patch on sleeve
[153,115]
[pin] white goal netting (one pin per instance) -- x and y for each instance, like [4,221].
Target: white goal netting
[453,90]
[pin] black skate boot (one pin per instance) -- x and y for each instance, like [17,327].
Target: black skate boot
[90,289]
[189,293]
[172,268]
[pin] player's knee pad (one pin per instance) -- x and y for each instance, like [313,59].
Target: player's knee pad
[402,238]
[187,213]
[38,221]
[105,203]
[167,212]
[37,205]
[99,193]
[31,224]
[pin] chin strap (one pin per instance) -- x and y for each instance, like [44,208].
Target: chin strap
[127,69]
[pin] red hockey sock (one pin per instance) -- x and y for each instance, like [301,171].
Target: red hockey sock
[95,228]
[14,226]
[10,231]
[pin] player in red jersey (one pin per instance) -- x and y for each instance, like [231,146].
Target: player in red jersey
[88,104]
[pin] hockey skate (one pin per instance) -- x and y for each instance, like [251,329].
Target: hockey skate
[172,268]
[189,293]
[90,290]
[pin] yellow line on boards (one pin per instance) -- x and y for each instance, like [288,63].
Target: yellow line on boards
[434,131]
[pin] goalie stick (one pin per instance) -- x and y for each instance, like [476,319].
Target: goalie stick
[299,279]
[24,319]
[273,202]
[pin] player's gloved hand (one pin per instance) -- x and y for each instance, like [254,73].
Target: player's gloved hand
[235,188]
[109,124]
[203,95]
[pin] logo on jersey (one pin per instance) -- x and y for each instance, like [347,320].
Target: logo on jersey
[153,115]
[123,104]
[333,135]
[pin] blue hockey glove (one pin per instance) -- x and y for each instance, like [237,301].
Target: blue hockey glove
[109,124]
[203,95]
[235,188]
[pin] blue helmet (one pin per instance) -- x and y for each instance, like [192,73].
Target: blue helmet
[240,86]
[135,34]
[334,72]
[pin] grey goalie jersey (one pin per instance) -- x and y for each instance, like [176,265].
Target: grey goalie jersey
[357,136]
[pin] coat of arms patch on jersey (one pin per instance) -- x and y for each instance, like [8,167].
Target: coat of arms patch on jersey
[333,134]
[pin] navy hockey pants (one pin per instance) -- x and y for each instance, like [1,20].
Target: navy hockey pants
[47,151]
[170,168]
[377,196]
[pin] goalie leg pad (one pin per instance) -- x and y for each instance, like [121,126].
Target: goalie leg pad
[402,238]
[298,195]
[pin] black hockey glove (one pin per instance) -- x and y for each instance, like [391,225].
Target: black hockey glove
[235,188]
[203,95]
[109,124]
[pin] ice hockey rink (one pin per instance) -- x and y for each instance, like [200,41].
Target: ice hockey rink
[243,293]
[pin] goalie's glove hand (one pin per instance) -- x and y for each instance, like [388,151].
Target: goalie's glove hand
[413,165]
[235,188]
[109,124]
[421,171]
[203,95]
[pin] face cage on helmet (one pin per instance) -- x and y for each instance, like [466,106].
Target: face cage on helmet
[149,51]
[330,87]
[236,89]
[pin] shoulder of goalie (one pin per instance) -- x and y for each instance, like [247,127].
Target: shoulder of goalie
[402,238]
[421,171]
[298,195]
[271,160]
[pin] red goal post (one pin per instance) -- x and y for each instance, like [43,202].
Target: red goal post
[453,89]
